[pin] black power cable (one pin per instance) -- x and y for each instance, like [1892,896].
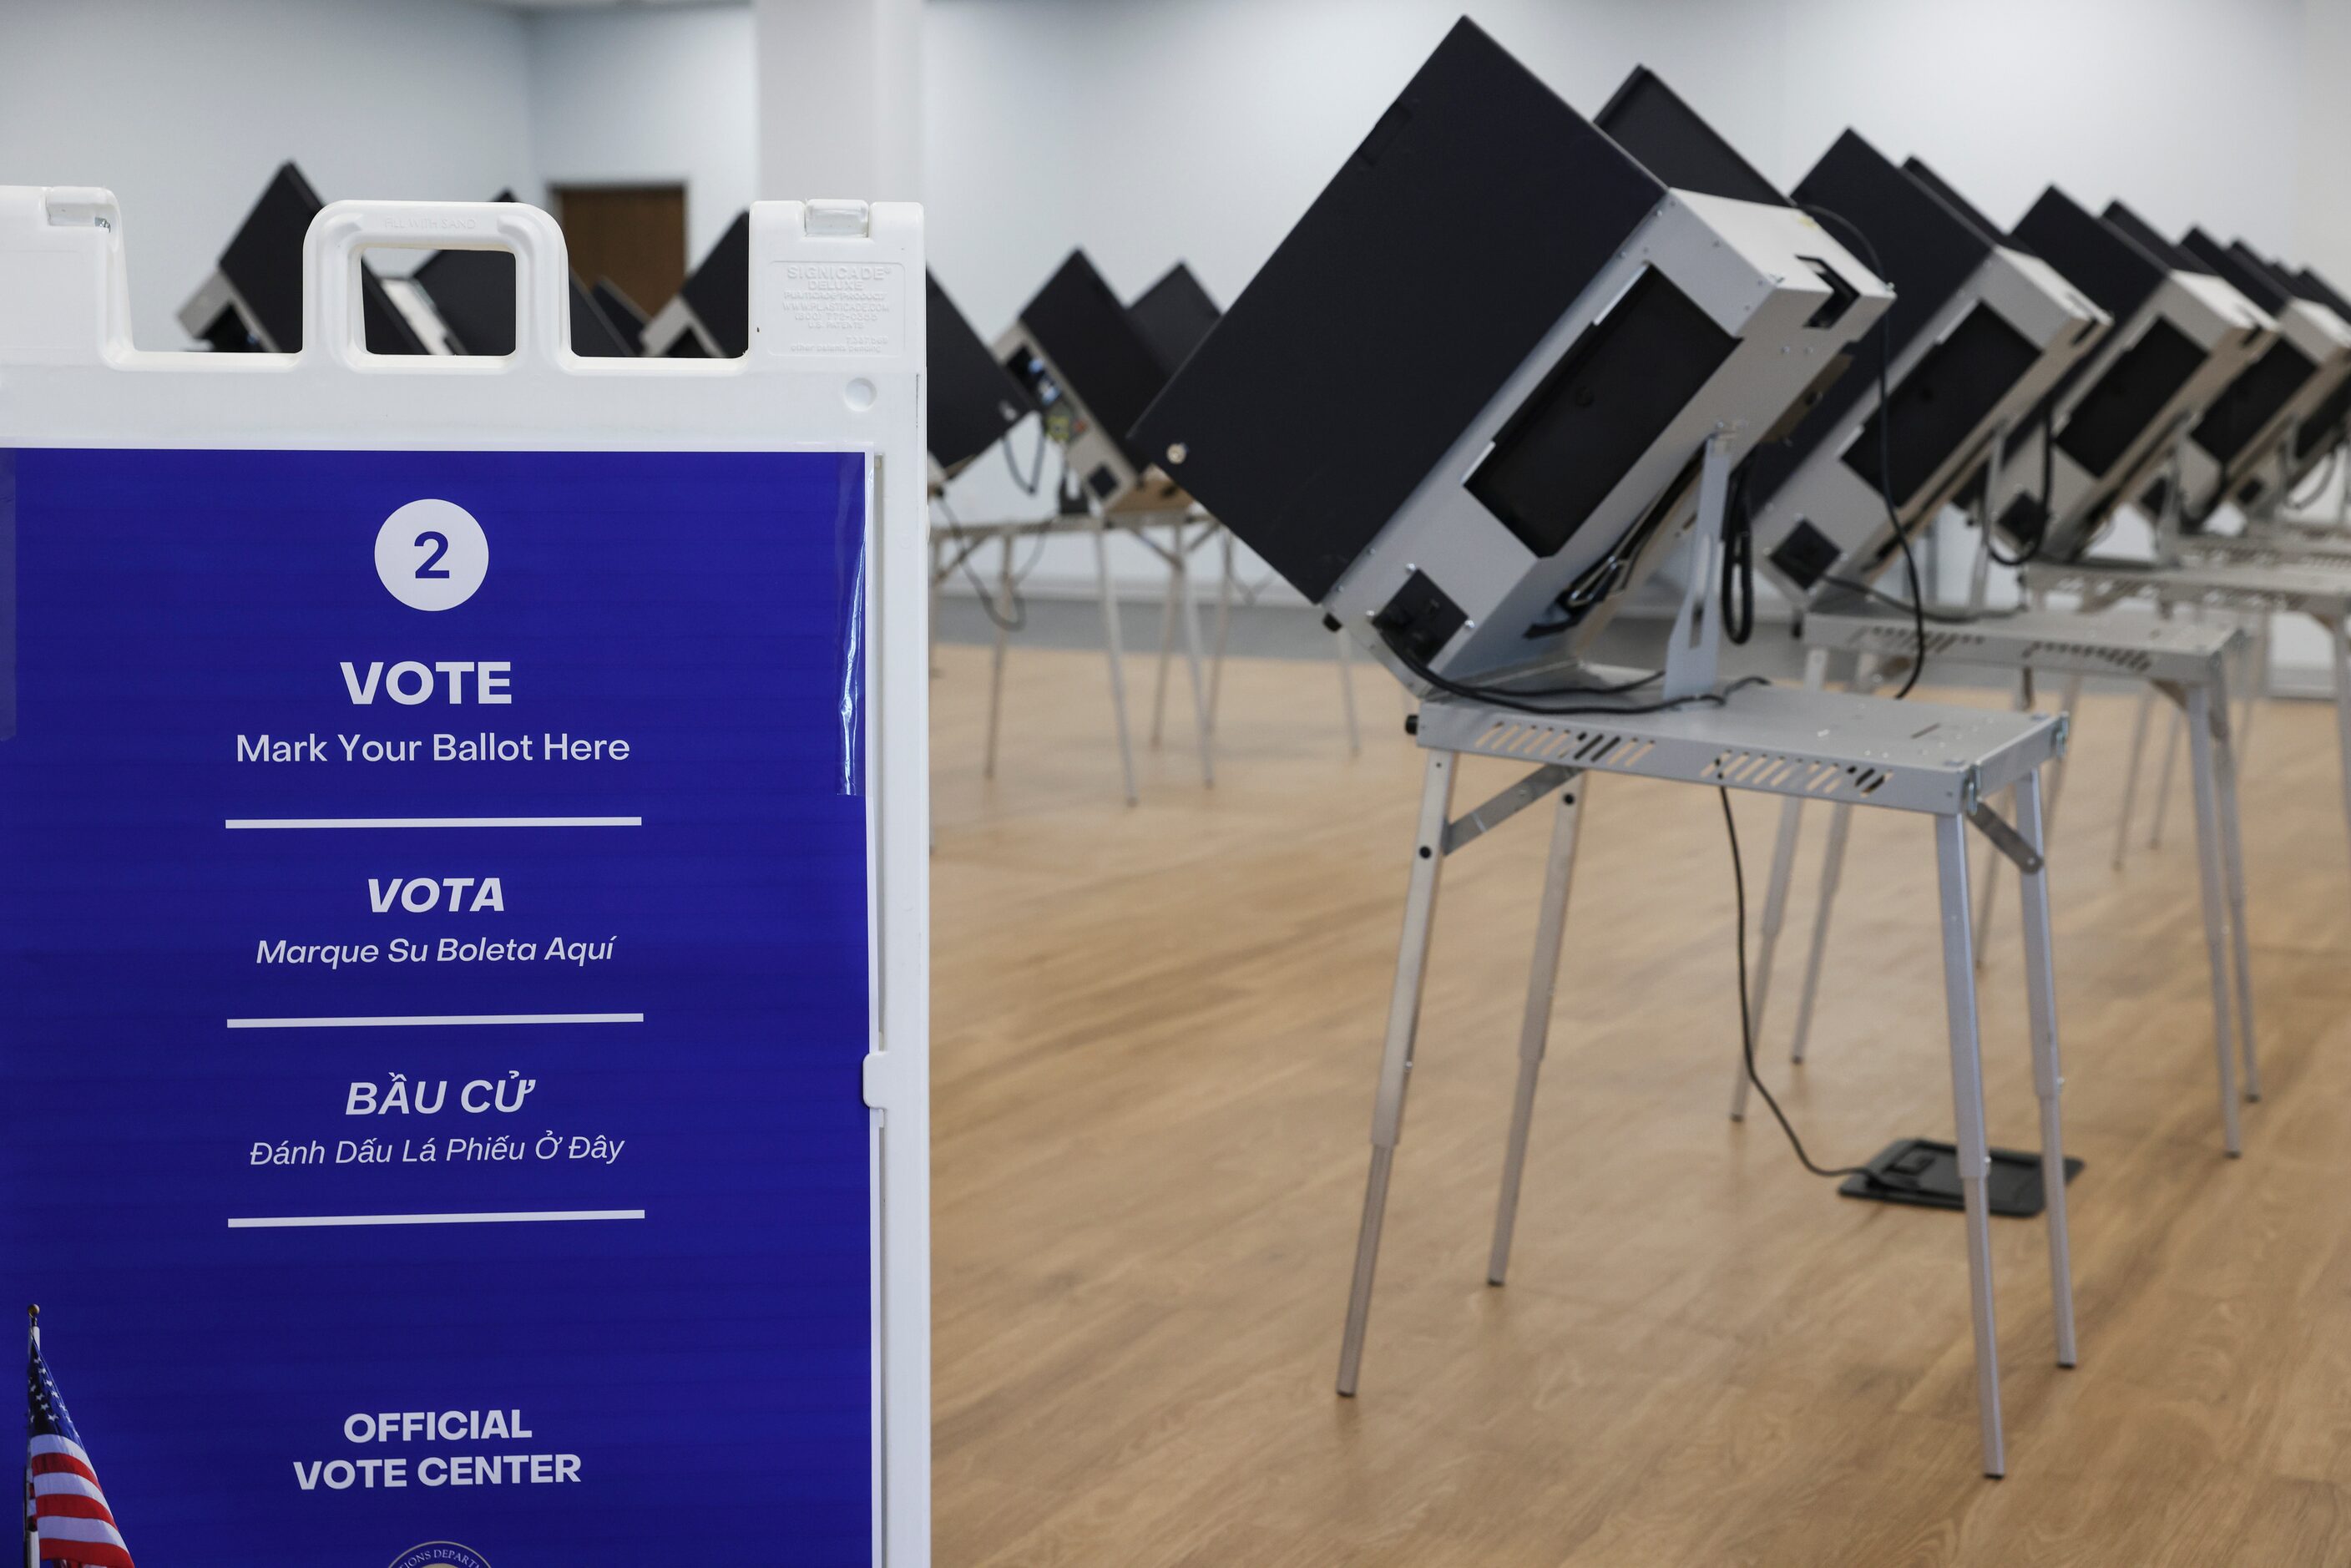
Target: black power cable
[1029,485]
[2032,551]
[1918,609]
[1737,562]
[2325,479]
[1936,617]
[1747,1021]
[1016,620]
[1885,454]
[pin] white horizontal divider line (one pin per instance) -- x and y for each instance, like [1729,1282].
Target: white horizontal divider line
[518,1216]
[435,1020]
[249,824]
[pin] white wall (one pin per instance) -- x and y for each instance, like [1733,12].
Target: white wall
[842,95]
[185,108]
[650,97]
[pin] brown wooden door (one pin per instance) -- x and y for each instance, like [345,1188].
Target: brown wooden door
[633,235]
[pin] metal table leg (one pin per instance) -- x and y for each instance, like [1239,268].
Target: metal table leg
[2130,778]
[1864,679]
[2232,864]
[1992,858]
[1347,692]
[2257,681]
[1224,621]
[2212,879]
[2048,1076]
[1974,1159]
[2069,704]
[1831,871]
[2071,701]
[1534,1028]
[996,671]
[1117,669]
[1204,723]
[1166,639]
[1775,904]
[1396,1060]
[2163,780]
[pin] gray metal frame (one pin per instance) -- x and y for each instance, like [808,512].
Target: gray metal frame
[1747,266]
[2231,331]
[1091,449]
[2320,591]
[2187,663]
[2022,291]
[1946,763]
[1179,613]
[2325,339]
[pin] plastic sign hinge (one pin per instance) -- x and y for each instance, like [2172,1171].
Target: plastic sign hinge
[78,207]
[839,219]
[886,1078]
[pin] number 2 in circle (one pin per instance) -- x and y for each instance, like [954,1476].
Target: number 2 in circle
[430,564]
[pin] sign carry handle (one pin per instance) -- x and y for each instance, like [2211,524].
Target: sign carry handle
[330,269]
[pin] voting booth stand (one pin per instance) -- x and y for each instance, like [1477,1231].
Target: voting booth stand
[464,915]
[1985,336]
[1570,425]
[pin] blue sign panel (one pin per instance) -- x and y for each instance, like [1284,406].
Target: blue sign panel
[433,928]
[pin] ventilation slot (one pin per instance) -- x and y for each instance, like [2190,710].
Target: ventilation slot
[1576,747]
[1613,751]
[1903,640]
[2133,661]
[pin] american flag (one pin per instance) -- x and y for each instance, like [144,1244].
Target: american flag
[65,1517]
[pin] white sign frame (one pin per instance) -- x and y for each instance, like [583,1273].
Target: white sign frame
[836,364]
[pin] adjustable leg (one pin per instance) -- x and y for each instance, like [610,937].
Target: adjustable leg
[2130,778]
[1110,637]
[2067,704]
[1832,869]
[1775,902]
[1967,1094]
[1534,1028]
[2257,681]
[1204,723]
[2211,878]
[1783,866]
[2233,866]
[1396,1060]
[1166,639]
[1347,692]
[2163,780]
[1864,679]
[1993,859]
[2048,1077]
[1003,639]
[1224,619]
[1775,914]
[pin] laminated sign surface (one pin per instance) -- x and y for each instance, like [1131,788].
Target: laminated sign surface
[442,923]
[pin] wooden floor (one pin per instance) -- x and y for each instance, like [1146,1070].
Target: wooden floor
[1156,1036]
